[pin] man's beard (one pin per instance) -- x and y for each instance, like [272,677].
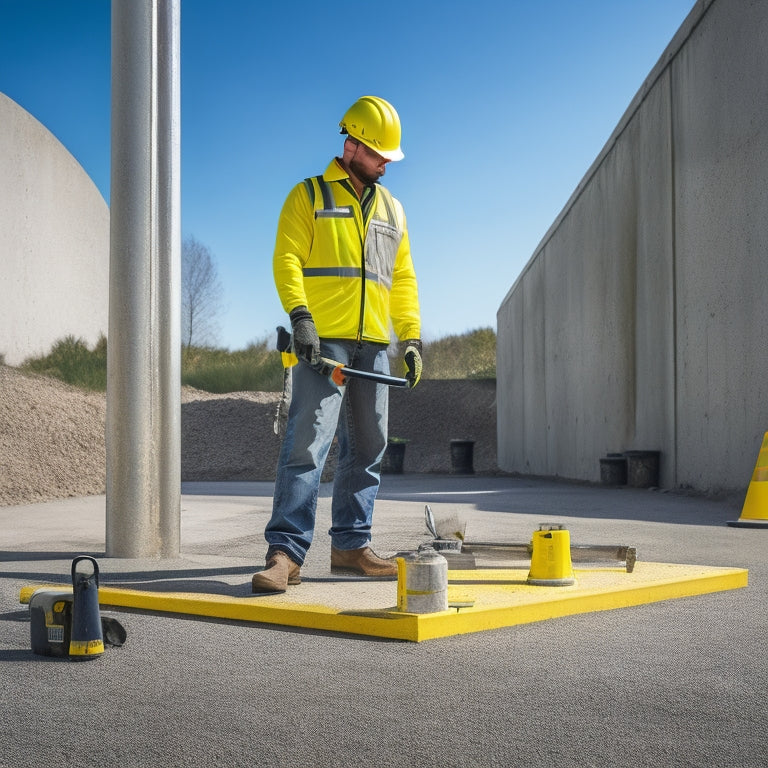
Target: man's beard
[364,176]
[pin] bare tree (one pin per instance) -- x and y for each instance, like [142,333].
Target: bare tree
[201,294]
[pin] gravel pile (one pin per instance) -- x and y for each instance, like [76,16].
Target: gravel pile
[51,439]
[52,435]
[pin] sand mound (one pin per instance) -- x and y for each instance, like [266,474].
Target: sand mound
[52,435]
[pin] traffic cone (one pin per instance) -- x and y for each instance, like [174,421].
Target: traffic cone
[754,513]
[551,558]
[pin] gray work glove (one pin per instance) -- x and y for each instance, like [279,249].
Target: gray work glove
[412,357]
[306,342]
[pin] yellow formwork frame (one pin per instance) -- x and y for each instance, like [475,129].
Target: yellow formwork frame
[482,600]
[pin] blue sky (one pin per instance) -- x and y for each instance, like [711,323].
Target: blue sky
[504,105]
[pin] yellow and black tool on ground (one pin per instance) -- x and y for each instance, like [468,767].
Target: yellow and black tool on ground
[86,640]
[66,622]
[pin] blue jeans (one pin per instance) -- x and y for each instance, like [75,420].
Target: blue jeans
[359,410]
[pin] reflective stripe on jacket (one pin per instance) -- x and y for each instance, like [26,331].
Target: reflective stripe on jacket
[354,276]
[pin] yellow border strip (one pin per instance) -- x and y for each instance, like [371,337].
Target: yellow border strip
[558,602]
[498,598]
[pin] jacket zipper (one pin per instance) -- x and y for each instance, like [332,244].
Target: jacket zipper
[361,321]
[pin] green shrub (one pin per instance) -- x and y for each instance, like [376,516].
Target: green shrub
[259,368]
[470,355]
[72,361]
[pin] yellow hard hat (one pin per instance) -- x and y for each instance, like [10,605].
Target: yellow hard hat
[375,123]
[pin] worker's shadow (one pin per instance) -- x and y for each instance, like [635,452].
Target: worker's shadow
[196,581]
[186,586]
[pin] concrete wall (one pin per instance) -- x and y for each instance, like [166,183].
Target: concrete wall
[54,241]
[639,322]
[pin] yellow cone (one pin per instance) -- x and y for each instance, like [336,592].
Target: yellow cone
[551,559]
[754,513]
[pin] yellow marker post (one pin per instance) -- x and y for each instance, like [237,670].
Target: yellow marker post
[551,558]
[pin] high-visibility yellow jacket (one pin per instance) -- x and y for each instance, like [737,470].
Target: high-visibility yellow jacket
[354,276]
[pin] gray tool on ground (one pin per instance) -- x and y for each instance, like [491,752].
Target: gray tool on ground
[465,555]
[476,555]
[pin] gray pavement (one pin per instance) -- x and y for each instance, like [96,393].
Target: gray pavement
[675,683]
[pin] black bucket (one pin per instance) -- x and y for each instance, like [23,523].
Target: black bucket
[393,459]
[613,469]
[462,457]
[643,469]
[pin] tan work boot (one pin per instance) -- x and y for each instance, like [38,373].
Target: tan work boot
[279,573]
[362,562]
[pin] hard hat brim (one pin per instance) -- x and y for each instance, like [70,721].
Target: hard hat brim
[394,154]
[388,154]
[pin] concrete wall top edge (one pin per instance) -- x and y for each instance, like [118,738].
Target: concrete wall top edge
[55,225]
[690,23]
[9,106]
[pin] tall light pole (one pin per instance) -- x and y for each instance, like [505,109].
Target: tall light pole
[144,348]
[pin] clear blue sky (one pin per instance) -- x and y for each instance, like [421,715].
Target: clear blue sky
[504,104]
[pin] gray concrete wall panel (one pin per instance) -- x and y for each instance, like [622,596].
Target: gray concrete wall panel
[650,284]
[511,326]
[652,420]
[534,445]
[520,398]
[589,310]
[54,236]
[721,166]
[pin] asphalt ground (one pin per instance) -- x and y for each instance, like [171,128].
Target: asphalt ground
[675,683]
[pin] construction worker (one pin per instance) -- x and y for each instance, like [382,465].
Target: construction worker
[343,272]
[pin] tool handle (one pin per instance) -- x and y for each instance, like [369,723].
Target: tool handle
[379,378]
[339,373]
[84,576]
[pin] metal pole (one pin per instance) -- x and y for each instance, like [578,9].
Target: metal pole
[143,430]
